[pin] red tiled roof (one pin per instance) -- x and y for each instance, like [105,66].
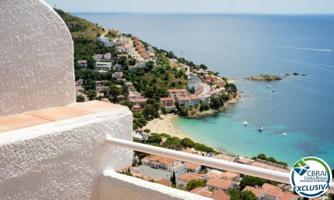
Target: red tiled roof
[220,183]
[220,195]
[271,190]
[289,196]
[191,166]
[231,175]
[177,90]
[184,99]
[138,100]
[167,99]
[203,191]
[165,182]
[256,191]
[136,106]
[160,159]
[190,176]
[214,174]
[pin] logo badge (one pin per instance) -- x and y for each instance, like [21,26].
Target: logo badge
[310,177]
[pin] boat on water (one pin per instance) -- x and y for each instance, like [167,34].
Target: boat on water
[260,129]
[273,90]
[269,86]
[284,134]
[245,123]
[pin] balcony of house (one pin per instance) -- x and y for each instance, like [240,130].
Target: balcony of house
[54,148]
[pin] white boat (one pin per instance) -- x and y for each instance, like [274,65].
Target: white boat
[284,134]
[245,123]
[260,129]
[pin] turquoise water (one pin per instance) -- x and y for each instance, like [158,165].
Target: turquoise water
[225,131]
[239,46]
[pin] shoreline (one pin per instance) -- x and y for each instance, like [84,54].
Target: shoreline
[164,124]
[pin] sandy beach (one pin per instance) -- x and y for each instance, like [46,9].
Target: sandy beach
[164,124]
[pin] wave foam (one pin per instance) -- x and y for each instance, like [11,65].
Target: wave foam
[303,49]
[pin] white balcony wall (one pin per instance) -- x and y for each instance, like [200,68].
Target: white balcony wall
[36,58]
[64,159]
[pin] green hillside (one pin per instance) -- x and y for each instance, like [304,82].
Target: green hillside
[84,35]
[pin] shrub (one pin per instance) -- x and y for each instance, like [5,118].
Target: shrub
[195,184]
[173,143]
[154,139]
[186,142]
[204,148]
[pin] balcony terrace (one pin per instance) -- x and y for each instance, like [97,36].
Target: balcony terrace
[54,148]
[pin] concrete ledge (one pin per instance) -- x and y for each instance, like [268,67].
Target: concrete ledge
[118,186]
[38,117]
[63,156]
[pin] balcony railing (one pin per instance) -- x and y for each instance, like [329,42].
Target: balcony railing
[206,161]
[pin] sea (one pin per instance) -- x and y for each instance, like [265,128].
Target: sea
[298,118]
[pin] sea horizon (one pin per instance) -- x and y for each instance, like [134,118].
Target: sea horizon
[208,13]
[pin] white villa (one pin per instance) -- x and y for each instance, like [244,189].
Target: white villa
[194,82]
[103,67]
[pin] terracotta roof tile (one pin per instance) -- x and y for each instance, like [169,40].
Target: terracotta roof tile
[256,191]
[220,183]
[191,166]
[289,196]
[160,159]
[220,195]
[203,191]
[271,190]
[190,176]
[231,175]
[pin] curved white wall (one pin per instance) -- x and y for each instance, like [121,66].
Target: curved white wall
[36,57]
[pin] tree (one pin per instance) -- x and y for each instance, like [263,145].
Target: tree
[252,181]
[147,130]
[231,88]
[91,94]
[192,184]
[114,91]
[270,159]
[203,107]
[90,85]
[244,195]
[192,90]
[183,111]
[170,54]
[80,98]
[216,102]
[173,179]
[202,66]
[262,156]
[202,147]
[149,66]
[187,143]
[154,139]
[173,143]
[150,112]
[132,61]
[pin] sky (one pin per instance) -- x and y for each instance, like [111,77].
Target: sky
[199,6]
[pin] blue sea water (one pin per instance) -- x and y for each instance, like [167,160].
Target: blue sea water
[239,46]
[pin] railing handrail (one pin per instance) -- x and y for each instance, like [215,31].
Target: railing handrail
[260,172]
